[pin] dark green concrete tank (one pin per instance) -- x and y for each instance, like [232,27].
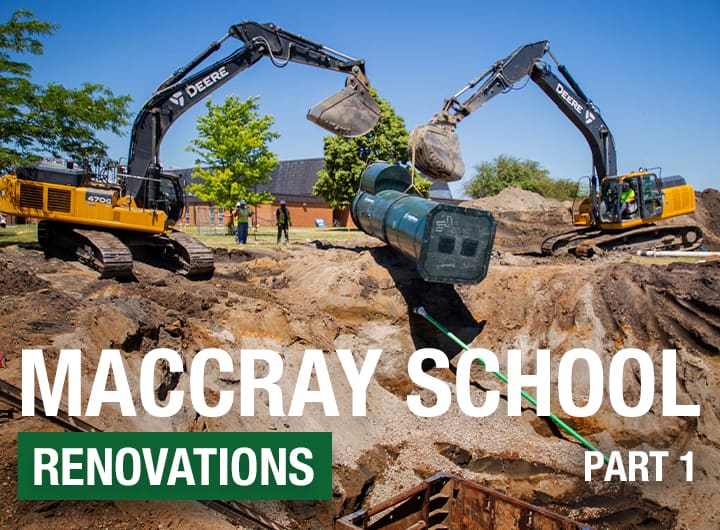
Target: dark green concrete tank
[449,243]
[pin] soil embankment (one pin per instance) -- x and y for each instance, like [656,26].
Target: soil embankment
[360,296]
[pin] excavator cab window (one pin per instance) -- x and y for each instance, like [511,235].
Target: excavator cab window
[629,199]
[610,192]
[651,194]
[646,196]
[170,199]
[163,192]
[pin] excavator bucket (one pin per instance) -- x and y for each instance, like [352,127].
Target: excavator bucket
[435,150]
[350,112]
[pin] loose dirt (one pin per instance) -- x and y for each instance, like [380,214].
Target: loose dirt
[360,295]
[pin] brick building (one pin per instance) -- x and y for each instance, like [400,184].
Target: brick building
[292,181]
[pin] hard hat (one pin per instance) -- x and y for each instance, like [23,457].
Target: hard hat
[242,203]
[238,204]
[282,202]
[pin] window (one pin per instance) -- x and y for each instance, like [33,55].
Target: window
[446,245]
[469,247]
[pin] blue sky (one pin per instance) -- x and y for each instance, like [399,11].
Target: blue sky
[652,68]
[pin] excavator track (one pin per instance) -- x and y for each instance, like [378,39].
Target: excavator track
[589,241]
[563,243]
[176,251]
[110,253]
[97,249]
[195,259]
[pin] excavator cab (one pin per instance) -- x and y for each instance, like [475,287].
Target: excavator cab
[171,199]
[618,200]
[622,201]
[631,197]
[161,193]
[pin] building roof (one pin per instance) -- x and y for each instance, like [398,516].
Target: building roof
[294,180]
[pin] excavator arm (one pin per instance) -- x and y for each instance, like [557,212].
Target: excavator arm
[351,112]
[435,147]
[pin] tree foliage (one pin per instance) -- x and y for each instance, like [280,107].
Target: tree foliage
[346,158]
[54,120]
[492,177]
[234,155]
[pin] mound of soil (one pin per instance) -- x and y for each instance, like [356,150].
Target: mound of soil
[514,199]
[524,219]
[707,206]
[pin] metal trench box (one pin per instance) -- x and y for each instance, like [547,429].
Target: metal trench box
[450,502]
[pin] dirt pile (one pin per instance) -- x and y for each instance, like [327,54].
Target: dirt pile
[514,199]
[707,204]
[524,219]
[360,295]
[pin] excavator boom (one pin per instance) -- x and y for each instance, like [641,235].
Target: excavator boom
[436,147]
[351,112]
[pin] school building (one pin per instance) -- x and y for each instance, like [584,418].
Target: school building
[292,181]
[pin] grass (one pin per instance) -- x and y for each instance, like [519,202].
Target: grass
[267,237]
[18,235]
[27,235]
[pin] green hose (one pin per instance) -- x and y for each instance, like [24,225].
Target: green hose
[572,432]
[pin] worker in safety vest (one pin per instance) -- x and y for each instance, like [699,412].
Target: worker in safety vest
[626,197]
[282,216]
[242,218]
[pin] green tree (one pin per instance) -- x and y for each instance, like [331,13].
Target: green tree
[36,120]
[234,156]
[492,177]
[561,189]
[346,158]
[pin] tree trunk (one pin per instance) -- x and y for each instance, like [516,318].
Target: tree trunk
[340,217]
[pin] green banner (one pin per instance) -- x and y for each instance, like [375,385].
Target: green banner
[175,465]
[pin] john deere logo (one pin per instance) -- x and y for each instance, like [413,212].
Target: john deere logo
[178,99]
[589,117]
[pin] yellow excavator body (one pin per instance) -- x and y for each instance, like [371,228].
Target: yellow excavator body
[624,214]
[93,207]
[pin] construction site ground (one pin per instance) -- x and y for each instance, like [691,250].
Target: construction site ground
[358,294]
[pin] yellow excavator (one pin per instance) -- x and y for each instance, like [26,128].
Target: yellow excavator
[618,212]
[107,215]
